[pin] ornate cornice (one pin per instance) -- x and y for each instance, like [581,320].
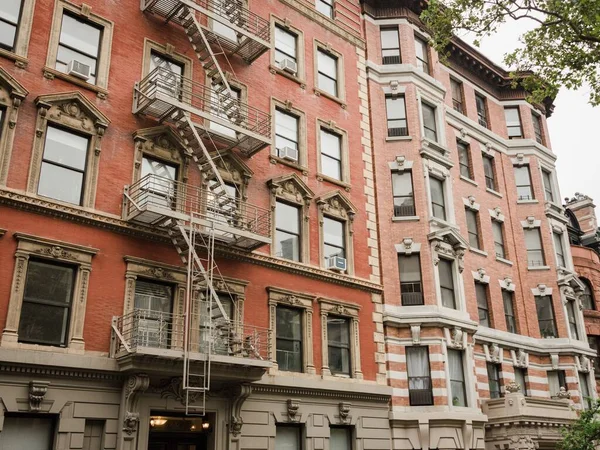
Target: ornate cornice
[38,370]
[320,393]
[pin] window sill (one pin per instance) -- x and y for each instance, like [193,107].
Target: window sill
[320,93]
[277,160]
[478,251]
[20,61]
[51,73]
[504,261]
[538,267]
[441,223]
[405,218]
[468,180]
[527,202]
[346,186]
[398,138]
[493,192]
[276,70]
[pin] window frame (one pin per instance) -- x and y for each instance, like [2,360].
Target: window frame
[393,28]
[448,288]
[561,376]
[509,296]
[298,234]
[344,153]
[476,233]
[494,375]
[423,64]
[302,339]
[286,25]
[16,26]
[465,148]
[559,249]
[523,371]
[483,303]
[538,131]
[398,173]
[512,125]
[53,418]
[435,130]
[457,104]
[531,195]
[295,426]
[463,381]
[583,298]
[548,185]
[584,382]
[340,96]
[482,113]
[490,178]
[19,51]
[500,226]
[432,203]
[349,432]
[403,130]
[288,108]
[329,4]
[538,263]
[421,301]
[572,322]
[425,351]
[552,319]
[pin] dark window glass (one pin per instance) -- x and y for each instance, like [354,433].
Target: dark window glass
[331,154]
[390,46]
[10,15]
[509,311]
[80,41]
[482,304]
[456,88]
[27,432]
[445,268]
[537,128]
[288,437]
[513,123]
[338,344]
[325,7]
[63,166]
[327,72]
[457,378]
[494,380]
[488,170]
[419,376]
[464,160]
[571,318]
[480,103]
[92,435]
[547,179]
[438,202]
[586,396]
[411,287]
[47,300]
[594,342]
[523,181]
[472,228]
[286,130]
[520,379]
[289,339]
[422,52]
[402,189]
[396,116]
[154,304]
[545,314]
[287,231]
[560,251]
[556,379]
[587,298]
[285,45]
[340,438]
[334,240]
[498,232]
[429,124]
[533,243]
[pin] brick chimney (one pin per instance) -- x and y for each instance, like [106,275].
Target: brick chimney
[584,209]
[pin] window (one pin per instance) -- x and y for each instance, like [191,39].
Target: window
[494,380]
[456,88]
[286,133]
[327,72]
[340,438]
[289,338]
[10,14]
[457,378]
[498,232]
[325,7]
[169,76]
[92,435]
[482,304]
[338,344]
[429,124]
[411,287]
[537,128]
[473,228]
[221,213]
[286,46]
[288,437]
[63,166]
[396,116]
[571,318]
[222,107]
[480,103]
[26,431]
[560,251]
[419,376]
[331,154]
[587,298]
[513,123]
[523,180]
[79,41]
[594,342]
[446,269]
[402,189]
[159,187]
[488,170]
[334,239]
[509,311]
[422,52]
[556,380]
[586,396]
[46,309]
[548,191]
[545,314]
[390,46]
[154,304]
[533,243]
[464,160]
[287,231]
[438,203]
[520,379]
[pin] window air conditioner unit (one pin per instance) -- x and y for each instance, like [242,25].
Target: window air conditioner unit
[337,263]
[289,153]
[78,69]
[289,66]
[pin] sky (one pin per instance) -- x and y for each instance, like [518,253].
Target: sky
[572,126]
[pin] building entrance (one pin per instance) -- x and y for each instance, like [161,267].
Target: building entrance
[181,433]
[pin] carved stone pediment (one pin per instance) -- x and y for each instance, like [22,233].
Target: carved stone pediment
[232,168]
[12,93]
[291,188]
[160,139]
[337,204]
[449,236]
[74,110]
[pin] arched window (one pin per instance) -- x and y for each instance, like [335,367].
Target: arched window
[587,298]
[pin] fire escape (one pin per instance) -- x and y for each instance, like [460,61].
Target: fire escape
[209,120]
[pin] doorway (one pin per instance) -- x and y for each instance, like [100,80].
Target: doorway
[168,432]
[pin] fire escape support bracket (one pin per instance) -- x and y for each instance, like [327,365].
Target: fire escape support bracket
[240,395]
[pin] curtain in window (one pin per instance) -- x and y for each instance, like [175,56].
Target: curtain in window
[418,368]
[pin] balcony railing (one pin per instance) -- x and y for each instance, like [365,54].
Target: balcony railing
[411,295]
[162,92]
[153,199]
[162,334]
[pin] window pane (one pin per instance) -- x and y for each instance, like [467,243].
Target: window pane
[80,36]
[437,198]
[10,10]
[92,435]
[333,238]
[395,108]
[429,121]
[331,144]
[65,148]
[287,217]
[545,316]
[445,269]
[44,324]
[417,361]
[520,380]
[488,169]
[48,283]
[286,130]
[482,304]
[402,184]
[463,159]
[327,64]
[493,380]
[513,122]
[498,239]
[31,433]
[509,312]
[472,228]
[457,378]
[338,335]
[289,339]
[533,242]
[325,7]
[7,35]
[410,269]
[287,438]
[154,297]
[389,38]
[158,168]
[560,253]
[285,42]
[340,439]
[60,184]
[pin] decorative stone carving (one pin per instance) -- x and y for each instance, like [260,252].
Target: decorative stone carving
[344,408]
[57,252]
[521,358]
[512,387]
[159,273]
[563,393]
[554,358]
[293,404]
[136,384]
[457,338]
[173,388]
[290,188]
[336,204]
[495,353]
[522,443]
[241,393]
[585,364]
[37,392]
[415,331]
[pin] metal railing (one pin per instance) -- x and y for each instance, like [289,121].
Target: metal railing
[165,195]
[200,97]
[147,330]
[411,295]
